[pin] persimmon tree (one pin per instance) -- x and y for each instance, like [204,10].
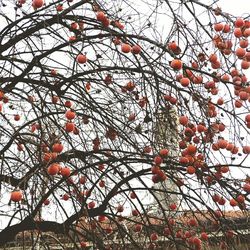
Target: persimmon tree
[82,86]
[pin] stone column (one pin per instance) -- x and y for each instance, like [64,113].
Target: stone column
[166,136]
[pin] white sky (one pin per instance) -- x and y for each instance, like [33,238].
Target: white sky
[235,7]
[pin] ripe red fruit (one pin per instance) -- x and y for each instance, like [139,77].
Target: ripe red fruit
[131,117]
[147,149]
[53,169]
[16,196]
[193,223]
[71,39]
[158,160]
[57,147]
[133,195]
[109,230]
[239,23]
[247,118]
[230,146]
[218,27]
[53,72]
[213,58]
[119,25]
[201,128]
[120,209]
[237,32]
[82,180]
[164,152]
[191,149]
[204,236]
[37,3]
[233,202]
[69,127]
[135,212]
[173,206]
[247,56]
[155,169]
[216,65]
[65,172]
[46,202]
[220,101]
[183,160]
[126,48]
[137,228]
[189,132]
[101,183]
[235,150]
[240,52]
[222,143]
[246,32]
[191,170]
[74,26]
[238,104]
[197,242]
[161,176]
[243,43]
[173,100]
[240,198]
[166,231]
[179,234]
[81,58]
[136,49]
[83,244]
[65,197]
[176,64]
[224,169]
[49,156]
[17,117]
[117,41]
[100,16]
[243,95]
[246,187]
[151,246]
[187,234]
[183,120]
[91,205]
[230,234]
[106,22]
[68,104]
[59,7]
[70,115]
[226,28]
[101,167]
[130,86]
[55,99]
[154,236]
[101,218]
[172,45]
[196,139]
[245,64]
[221,127]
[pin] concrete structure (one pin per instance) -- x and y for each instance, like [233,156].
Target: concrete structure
[166,136]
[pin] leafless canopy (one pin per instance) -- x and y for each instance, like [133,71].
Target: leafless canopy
[82,86]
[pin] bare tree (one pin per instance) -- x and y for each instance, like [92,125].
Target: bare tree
[110,107]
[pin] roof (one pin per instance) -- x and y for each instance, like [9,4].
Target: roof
[214,223]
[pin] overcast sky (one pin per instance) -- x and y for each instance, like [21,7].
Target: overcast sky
[235,7]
